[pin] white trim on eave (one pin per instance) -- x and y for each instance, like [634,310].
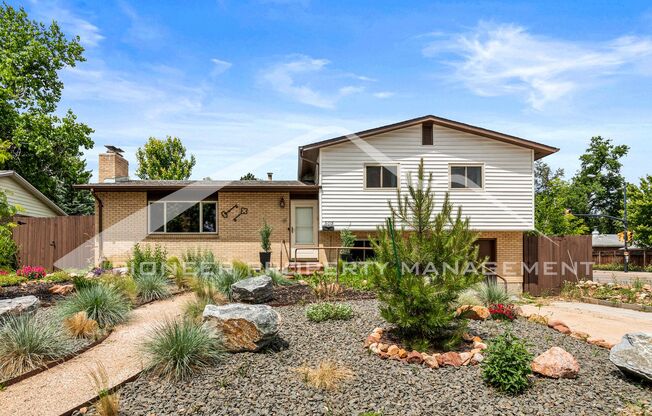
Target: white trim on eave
[25,184]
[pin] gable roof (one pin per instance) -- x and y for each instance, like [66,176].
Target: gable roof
[32,190]
[540,150]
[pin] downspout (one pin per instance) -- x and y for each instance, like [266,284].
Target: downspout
[100,205]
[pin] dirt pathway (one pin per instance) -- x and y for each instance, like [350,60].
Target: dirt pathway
[599,321]
[67,385]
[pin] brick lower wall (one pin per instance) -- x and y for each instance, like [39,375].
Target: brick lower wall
[125,224]
[509,252]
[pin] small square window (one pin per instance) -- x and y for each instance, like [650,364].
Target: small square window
[373,176]
[381,176]
[466,177]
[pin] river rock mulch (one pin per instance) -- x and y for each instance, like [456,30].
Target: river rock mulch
[265,383]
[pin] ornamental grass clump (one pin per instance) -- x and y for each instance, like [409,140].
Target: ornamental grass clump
[430,261]
[327,375]
[329,311]
[108,403]
[507,364]
[80,325]
[103,304]
[178,349]
[28,342]
[491,293]
[152,287]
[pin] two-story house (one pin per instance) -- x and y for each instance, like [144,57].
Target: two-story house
[344,182]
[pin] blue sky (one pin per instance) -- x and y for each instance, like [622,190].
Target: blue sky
[250,80]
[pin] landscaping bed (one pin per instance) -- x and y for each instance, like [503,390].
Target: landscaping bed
[302,294]
[40,289]
[637,293]
[267,383]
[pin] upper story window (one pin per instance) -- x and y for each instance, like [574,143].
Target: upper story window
[381,176]
[182,217]
[466,177]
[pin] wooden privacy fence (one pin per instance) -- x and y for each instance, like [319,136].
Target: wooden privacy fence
[550,261]
[637,257]
[43,241]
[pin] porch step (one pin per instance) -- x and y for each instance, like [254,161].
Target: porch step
[305,267]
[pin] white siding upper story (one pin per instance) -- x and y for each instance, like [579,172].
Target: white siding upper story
[505,203]
[28,204]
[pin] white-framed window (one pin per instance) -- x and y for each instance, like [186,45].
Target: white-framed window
[182,217]
[380,176]
[466,177]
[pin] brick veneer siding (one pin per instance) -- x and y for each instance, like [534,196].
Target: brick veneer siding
[509,252]
[125,223]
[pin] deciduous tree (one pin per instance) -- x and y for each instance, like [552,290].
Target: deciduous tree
[639,209]
[164,159]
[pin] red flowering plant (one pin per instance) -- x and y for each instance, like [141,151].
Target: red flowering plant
[31,272]
[503,312]
[3,272]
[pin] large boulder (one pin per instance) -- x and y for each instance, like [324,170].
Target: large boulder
[556,363]
[245,327]
[19,305]
[257,289]
[633,355]
[475,312]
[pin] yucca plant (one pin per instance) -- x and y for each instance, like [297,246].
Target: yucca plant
[28,342]
[490,293]
[101,303]
[152,287]
[177,349]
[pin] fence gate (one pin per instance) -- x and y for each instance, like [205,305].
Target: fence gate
[550,261]
[43,241]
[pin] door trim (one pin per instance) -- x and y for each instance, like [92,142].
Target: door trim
[310,253]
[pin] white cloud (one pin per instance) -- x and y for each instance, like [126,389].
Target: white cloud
[383,94]
[141,29]
[88,33]
[284,78]
[506,59]
[219,66]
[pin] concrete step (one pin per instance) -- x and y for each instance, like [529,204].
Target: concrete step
[304,267]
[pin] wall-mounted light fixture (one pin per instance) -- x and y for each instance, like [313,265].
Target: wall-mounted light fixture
[281,203]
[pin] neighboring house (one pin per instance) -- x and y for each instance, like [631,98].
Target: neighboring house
[345,182]
[30,201]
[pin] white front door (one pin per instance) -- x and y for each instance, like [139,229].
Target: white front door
[304,230]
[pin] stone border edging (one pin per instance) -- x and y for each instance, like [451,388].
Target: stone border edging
[622,305]
[55,363]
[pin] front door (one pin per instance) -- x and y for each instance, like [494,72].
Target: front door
[304,230]
[487,251]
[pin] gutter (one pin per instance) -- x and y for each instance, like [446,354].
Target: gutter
[100,205]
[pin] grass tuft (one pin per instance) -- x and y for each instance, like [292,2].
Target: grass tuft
[152,287]
[492,294]
[28,342]
[328,311]
[178,349]
[108,403]
[103,304]
[327,375]
[80,325]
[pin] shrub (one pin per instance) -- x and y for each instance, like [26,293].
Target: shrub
[126,285]
[152,287]
[175,269]
[148,261]
[31,272]
[428,266]
[507,364]
[241,269]
[108,403]
[265,236]
[28,342]
[80,325]
[178,349]
[570,290]
[327,375]
[491,293]
[502,312]
[8,248]
[347,239]
[328,311]
[58,276]
[11,280]
[101,303]
[82,282]
[201,262]
[277,278]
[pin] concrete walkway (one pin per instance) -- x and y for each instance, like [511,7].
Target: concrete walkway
[67,385]
[601,322]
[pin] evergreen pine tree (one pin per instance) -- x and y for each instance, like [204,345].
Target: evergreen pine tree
[428,264]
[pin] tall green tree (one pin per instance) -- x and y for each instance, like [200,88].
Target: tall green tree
[430,261]
[8,249]
[249,177]
[164,159]
[44,148]
[639,211]
[600,182]
[553,195]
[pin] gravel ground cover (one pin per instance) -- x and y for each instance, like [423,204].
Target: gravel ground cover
[265,383]
[301,294]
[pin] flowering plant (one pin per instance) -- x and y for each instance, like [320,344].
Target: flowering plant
[503,312]
[31,272]
[3,272]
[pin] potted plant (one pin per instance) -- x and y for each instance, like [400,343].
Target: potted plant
[265,244]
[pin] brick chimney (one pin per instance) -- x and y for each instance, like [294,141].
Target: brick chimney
[269,175]
[112,166]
